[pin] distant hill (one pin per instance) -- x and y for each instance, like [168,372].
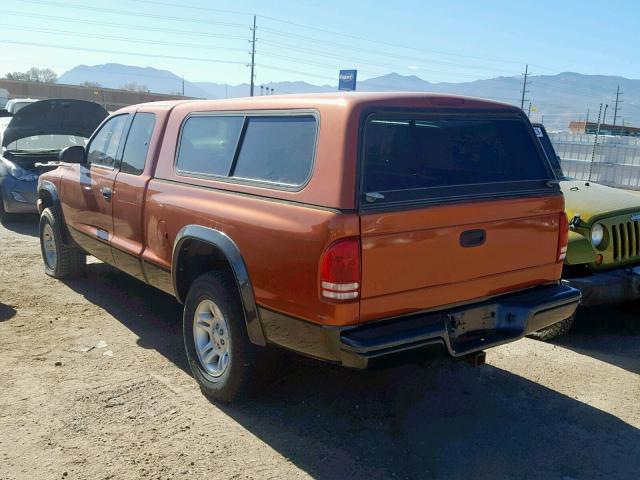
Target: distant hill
[115,75]
[560,98]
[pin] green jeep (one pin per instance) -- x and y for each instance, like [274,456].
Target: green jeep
[603,256]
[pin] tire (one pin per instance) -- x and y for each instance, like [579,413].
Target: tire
[220,333]
[60,260]
[555,330]
[4,216]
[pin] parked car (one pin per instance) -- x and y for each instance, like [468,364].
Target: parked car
[14,105]
[31,140]
[346,227]
[603,255]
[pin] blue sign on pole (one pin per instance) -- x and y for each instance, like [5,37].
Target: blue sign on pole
[347,80]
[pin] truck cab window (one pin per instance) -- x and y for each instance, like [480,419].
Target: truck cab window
[137,146]
[208,143]
[103,149]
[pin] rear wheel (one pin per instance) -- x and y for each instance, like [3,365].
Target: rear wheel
[555,330]
[226,365]
[60,260]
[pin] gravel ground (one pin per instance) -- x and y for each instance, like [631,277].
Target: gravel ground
[128,410]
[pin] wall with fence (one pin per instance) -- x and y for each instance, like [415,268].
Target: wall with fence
[616,160]
[111,99]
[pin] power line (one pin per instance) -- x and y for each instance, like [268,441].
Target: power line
[123,25]
[120,52]
[121,39]
[192,7]
[379,53]
[360,60]
[135,14]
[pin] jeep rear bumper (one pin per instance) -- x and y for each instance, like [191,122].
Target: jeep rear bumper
[613,286]
[460,331]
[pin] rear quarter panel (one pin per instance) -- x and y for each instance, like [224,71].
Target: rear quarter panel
[281,242]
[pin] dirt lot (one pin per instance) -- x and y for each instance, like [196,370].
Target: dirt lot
[564,411]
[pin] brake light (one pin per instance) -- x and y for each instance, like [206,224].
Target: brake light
[340,270]
[563,238]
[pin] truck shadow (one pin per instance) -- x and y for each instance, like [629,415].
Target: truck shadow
[448,420]
[609,334]
[445,420]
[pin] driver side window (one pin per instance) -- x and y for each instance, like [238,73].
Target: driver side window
[103,149]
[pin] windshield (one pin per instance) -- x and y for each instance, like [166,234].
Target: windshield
[46,143]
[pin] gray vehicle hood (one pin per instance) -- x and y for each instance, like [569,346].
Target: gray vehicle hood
[54,117]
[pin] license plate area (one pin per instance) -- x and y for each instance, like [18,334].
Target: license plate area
[479,326]
[472,320]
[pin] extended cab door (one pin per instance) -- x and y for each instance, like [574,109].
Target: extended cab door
[128,201]
[88,190]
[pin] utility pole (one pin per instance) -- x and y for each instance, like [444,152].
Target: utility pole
[595,143]
[604,115]
[585,123]
[529,112]
[615,111]
[524,86]
[253,55]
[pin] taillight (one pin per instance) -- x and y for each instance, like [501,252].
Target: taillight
[563,238]
[340,270]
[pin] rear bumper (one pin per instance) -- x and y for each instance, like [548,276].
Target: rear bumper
[613,286]
[460,331]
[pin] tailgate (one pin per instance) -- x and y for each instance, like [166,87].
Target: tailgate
[421,259]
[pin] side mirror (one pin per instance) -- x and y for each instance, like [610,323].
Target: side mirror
[74,154]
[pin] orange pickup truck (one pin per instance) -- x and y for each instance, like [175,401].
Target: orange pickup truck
[347,227]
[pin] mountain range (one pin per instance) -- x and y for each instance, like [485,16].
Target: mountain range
[558,98]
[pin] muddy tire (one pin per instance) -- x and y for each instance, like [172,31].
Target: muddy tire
[555,330]
[60,260]
[226,365]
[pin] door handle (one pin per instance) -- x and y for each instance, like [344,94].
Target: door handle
[473,238]
[106,193]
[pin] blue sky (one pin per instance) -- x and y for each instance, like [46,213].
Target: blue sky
[453,41]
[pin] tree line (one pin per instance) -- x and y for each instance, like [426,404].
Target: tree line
[46,75]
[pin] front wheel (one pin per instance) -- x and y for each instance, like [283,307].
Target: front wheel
[555,330]
[223,360]
[4,216]
[60,260]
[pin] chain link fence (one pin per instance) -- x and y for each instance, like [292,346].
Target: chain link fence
[616,160]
